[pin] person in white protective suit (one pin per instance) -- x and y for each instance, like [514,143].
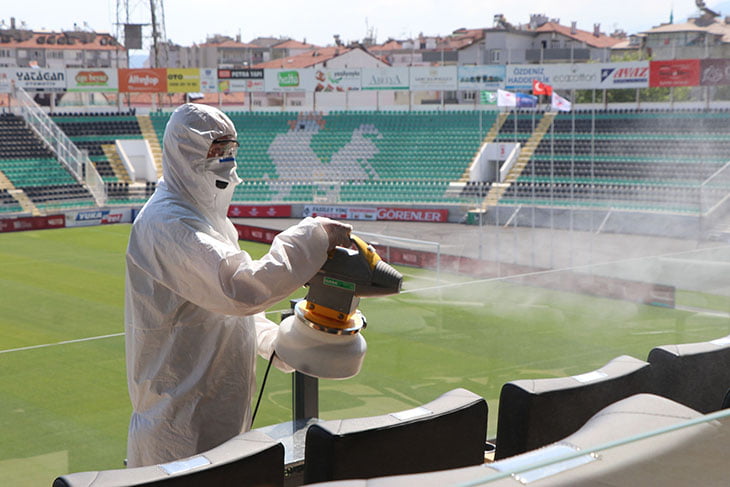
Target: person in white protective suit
[194,300]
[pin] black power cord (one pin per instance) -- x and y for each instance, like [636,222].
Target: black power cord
[261,391]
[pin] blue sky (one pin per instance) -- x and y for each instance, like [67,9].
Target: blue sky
[190,21]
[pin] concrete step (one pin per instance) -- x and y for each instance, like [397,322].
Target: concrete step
[25,202]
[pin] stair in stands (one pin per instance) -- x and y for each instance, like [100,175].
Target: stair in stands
[24,201]
[5,182]
[115,161]
[498,189]
[148,132]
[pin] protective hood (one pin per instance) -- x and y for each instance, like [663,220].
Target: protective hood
[186,170]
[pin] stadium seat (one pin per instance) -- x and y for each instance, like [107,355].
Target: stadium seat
[250,459]
[448,432]
[694,374]
[535,413]
[656,452]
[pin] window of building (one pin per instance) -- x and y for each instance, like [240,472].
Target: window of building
[495,56]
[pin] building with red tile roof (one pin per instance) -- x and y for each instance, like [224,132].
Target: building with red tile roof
[68,49]
[594,39]
[706,35]
[332,56]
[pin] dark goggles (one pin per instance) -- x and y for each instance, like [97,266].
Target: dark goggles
[223,148]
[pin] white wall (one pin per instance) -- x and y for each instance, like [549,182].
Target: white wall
[137,159]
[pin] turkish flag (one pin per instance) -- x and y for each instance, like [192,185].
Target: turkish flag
[540,88]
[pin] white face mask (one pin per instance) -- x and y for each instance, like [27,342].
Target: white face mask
[222,172]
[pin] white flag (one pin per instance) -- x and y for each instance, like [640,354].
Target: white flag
[506,99]
[560,103]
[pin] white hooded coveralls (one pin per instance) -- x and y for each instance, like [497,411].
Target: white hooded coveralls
[194,300]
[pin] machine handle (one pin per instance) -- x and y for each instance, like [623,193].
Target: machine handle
[366,251]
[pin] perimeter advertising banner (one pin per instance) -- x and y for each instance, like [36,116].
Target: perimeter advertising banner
[31,223]
[714,72]
[98,217]
[624,75]
[382,213]
[340,212]
[336,212]
[436,78]
[579,76]
[519,77]
[480,78]
[255,234]
[413,215]
[183,80]
[259,211]
[682,72]
[345,79]
[288,80]
[151,80]
[92,79]
[38,79]
[385,78]
[208,80]
[240,80]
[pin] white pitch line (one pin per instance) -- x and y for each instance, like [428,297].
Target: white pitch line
[65,342]
[79,340]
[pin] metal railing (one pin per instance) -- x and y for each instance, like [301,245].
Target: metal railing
[76,161]
[715,190]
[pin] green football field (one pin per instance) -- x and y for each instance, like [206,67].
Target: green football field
[63,398]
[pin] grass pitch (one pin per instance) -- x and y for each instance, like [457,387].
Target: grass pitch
[63,397]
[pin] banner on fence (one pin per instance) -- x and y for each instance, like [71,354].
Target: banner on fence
[682,72]
[92,80]
[152,80]
[98,217]
[259,211]
[31,223]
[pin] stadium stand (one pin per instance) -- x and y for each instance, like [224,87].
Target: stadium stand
[353,156]
[30,166]
[251,459]
[648,160]
[448,432]
[535,413]
[96,133]
[8,203]
[694,374]
[635,160]
[670,444]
